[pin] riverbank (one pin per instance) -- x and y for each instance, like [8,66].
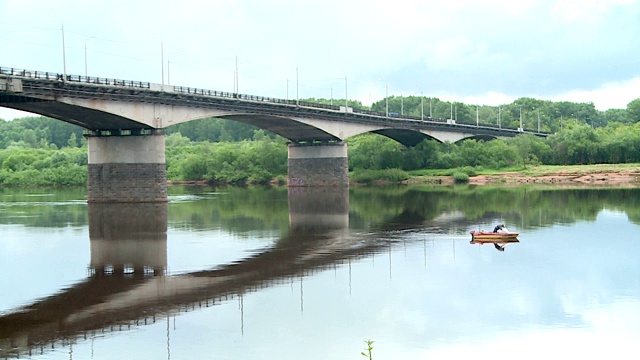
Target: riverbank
[602,174]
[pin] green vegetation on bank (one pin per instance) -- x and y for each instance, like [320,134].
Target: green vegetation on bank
[43,151]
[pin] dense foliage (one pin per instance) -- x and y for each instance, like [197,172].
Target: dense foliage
[28,167]
[43,151]
[248,161]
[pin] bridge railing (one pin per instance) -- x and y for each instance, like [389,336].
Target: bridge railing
[73,78]
[230,95]
[30,74]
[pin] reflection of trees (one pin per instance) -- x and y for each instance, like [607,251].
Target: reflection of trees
[242,210]
[44,207]
[525,206]
[238,210]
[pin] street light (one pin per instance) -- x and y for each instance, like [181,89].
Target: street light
[521,128]
[64,58]
[85,54]
[346,97]
[560,119]
[169,66]
[386,98]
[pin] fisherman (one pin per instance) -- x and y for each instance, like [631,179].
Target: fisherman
[500,229]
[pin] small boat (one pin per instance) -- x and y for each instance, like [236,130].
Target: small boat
[489,236]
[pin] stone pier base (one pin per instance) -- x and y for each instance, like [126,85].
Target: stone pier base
[318,165]
[127,169]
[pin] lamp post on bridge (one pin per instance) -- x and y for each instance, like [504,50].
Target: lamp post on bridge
[386,98]
[162,62]
[64,58]
[169,66]
[521,128]
[346,98]
[560,119]
[85,55]
[534,108]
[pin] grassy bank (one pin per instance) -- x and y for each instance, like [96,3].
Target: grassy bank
[601,173]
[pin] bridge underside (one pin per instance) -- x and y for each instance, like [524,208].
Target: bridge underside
[405,137]
[88,118]
[288,128]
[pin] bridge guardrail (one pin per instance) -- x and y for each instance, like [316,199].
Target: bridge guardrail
[73,78]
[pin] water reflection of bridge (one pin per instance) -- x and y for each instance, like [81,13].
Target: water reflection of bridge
[127,285]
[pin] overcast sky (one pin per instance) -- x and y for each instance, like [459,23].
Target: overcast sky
[478,52]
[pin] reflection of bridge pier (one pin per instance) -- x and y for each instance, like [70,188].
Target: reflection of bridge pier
[128,238]
[318,211]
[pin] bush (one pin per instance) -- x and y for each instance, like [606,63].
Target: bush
[460,177]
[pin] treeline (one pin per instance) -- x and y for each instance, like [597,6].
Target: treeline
[43,151]
[547,116]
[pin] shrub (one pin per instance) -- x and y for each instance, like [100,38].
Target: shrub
[460,177]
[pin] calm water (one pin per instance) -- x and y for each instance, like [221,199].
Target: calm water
[276,274]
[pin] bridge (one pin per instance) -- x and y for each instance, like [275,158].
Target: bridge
[124,122]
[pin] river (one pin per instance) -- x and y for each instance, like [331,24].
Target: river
[256,273]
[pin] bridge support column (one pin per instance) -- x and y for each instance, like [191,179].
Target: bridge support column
[323,164]
[127,168]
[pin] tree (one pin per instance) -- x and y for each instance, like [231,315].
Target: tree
[633,110]
[72,142]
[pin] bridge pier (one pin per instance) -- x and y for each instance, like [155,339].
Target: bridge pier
[318,164]
[127,168]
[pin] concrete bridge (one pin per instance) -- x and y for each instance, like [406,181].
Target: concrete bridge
[124,121]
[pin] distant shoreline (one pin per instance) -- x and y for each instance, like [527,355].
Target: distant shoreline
[602,174]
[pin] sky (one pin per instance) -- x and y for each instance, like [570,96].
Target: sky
[487,52]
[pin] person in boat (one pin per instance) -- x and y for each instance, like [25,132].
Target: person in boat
[500,229]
